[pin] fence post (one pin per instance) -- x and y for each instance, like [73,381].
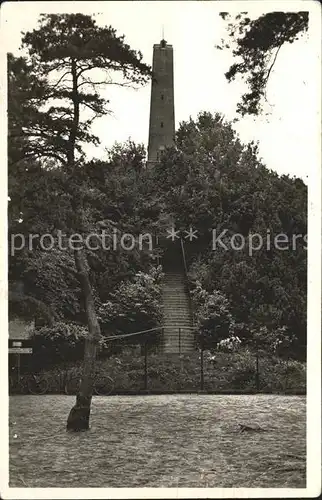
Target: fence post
[257,371]
[145,366]
[201,365]
[18,366]
[162,339]
[286,375]
[179,340]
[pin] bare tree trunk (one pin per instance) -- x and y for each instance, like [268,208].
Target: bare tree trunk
[78,419]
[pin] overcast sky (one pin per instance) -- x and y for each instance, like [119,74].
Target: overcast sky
[288,136]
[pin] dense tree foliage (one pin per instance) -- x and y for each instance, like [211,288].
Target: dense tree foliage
[80,58]
[135,305]
[218,186]
[255,43]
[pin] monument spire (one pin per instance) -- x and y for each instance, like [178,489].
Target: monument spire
[162,124]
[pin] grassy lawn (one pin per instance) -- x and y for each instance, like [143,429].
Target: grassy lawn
[159,441]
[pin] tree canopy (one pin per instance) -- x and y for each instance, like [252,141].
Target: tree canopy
[213,181]
[255,44]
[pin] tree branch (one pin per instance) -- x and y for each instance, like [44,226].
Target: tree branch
[41,154]
[60,79]
[92,108]
[271,67]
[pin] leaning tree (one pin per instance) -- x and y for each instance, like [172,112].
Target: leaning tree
[73,58]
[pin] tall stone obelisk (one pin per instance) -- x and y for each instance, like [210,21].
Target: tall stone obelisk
[162,125]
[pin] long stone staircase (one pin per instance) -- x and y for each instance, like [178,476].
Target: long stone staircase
[178,334]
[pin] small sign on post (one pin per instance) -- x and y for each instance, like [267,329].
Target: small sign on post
[18,347]
[20,350]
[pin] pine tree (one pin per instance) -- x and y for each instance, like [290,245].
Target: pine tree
[73,57]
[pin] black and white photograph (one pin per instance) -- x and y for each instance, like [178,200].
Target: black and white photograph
[161,249]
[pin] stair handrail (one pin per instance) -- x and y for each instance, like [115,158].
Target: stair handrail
[187,279]
[184,258]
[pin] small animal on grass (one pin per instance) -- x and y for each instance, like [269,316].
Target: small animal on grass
[251,428]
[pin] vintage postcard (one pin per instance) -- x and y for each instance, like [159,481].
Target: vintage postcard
[161,263]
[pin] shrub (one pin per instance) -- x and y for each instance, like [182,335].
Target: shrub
[134,306]
[230,344]
[212,315]
[57,343]
[276,341]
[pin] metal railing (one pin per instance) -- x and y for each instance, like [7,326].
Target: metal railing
[199,370]
[187,281]
[197,350]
